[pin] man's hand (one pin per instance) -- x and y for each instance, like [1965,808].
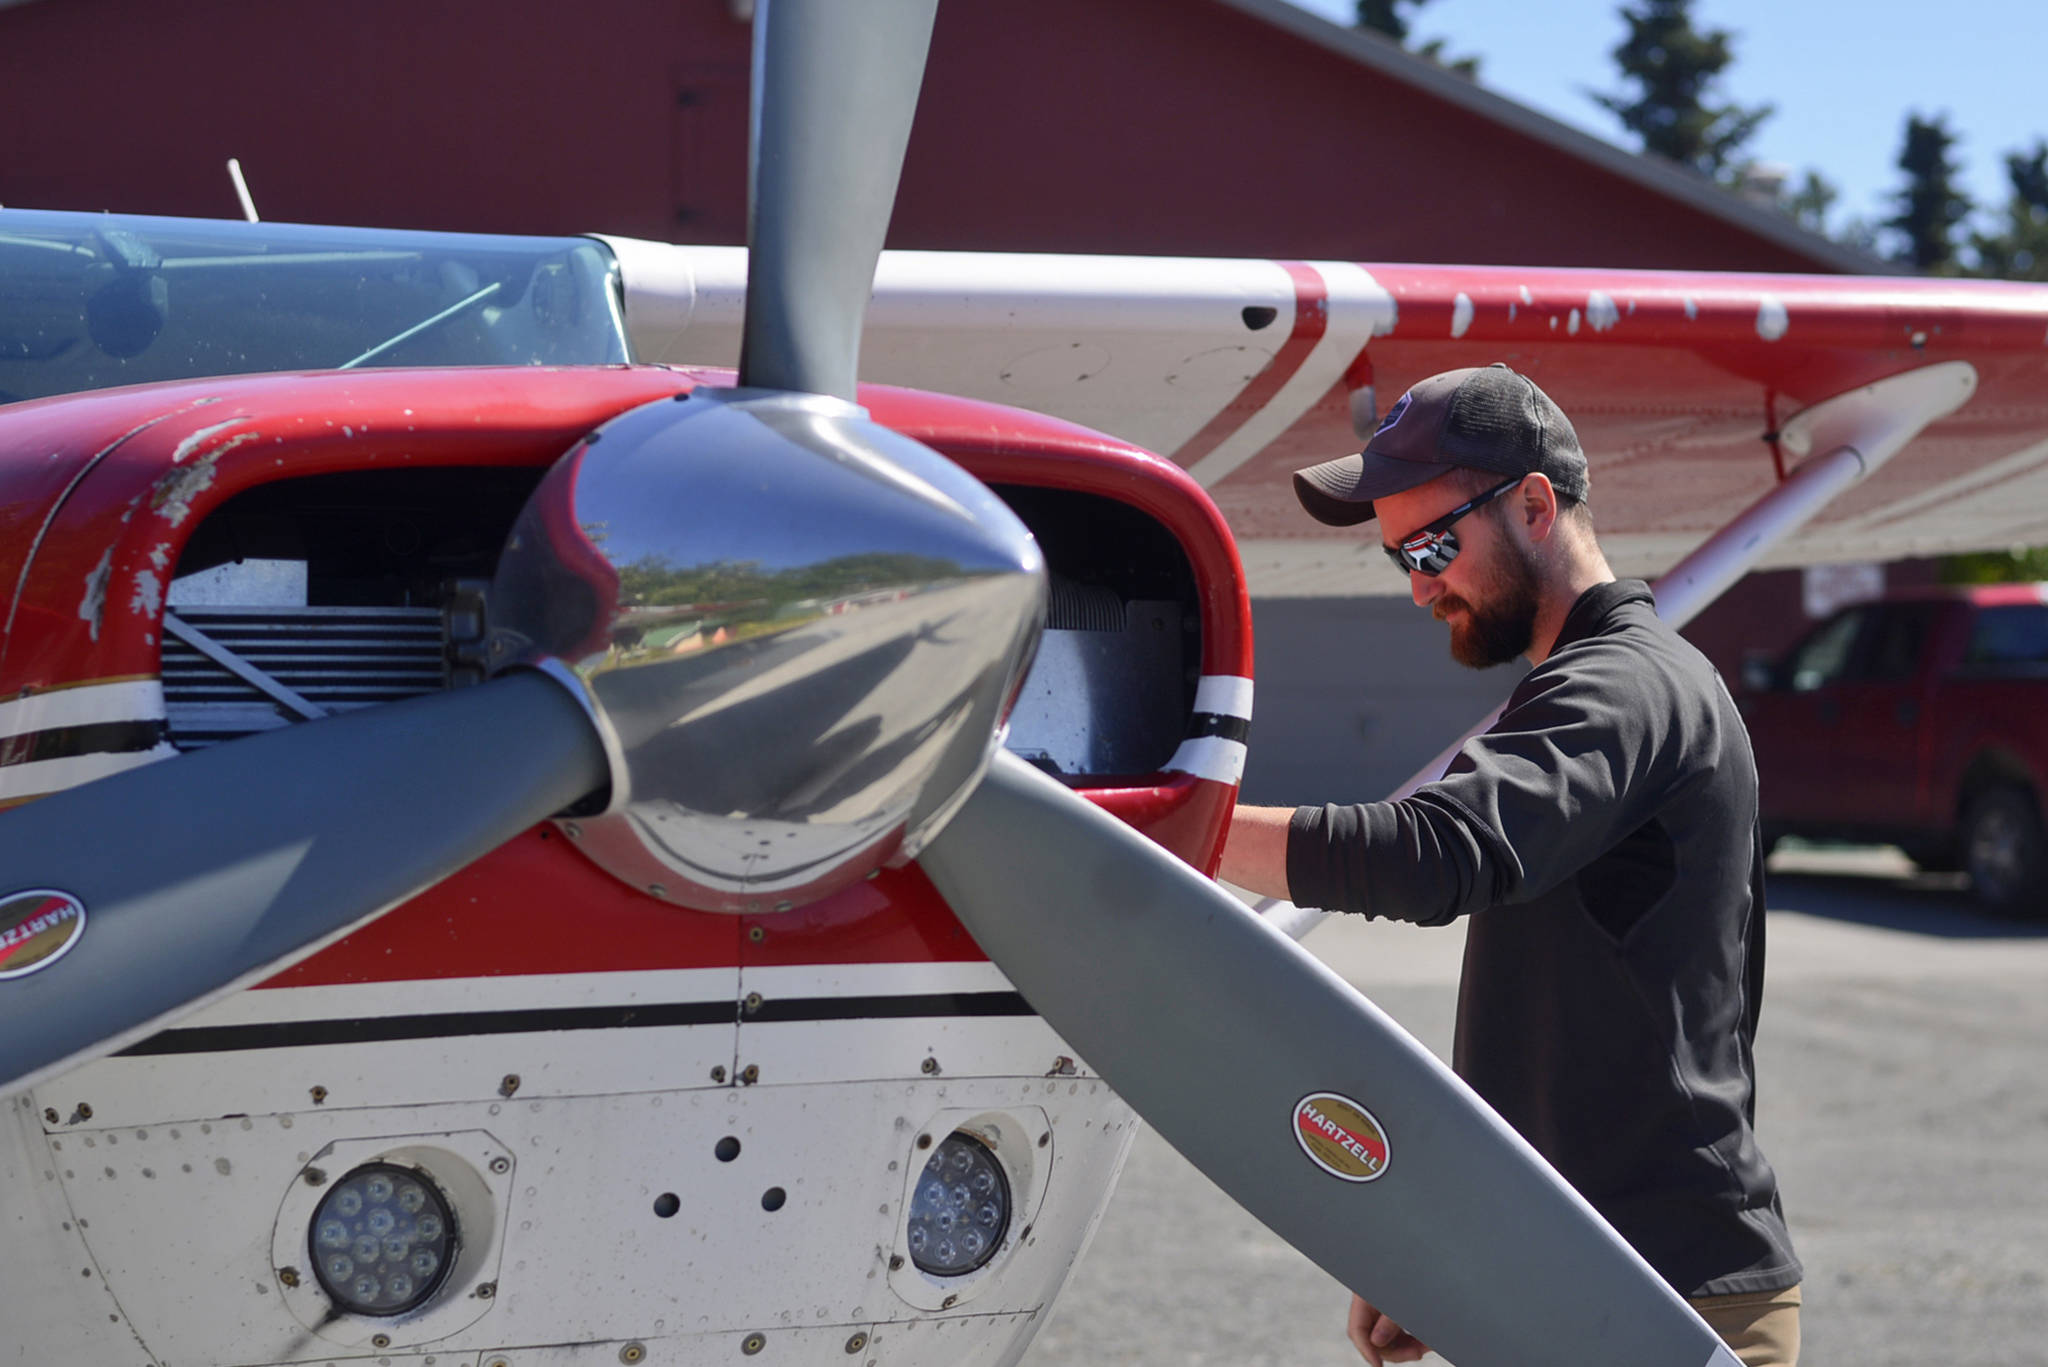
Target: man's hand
[1378,1339]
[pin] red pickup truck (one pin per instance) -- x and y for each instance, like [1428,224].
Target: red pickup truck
[1919,720]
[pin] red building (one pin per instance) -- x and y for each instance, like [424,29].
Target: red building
[1174,127]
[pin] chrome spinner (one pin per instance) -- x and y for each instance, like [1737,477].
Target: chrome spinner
[798,631]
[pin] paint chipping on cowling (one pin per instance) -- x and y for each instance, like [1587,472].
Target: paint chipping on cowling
[1771,319]
[1527,297]
[1601,314]
[1461,314]
[172,497]
[94,605]
[160,554]
[1571,325]
[1692,310]
[1553,322]
[148,596]
[1512,306]
[199,439]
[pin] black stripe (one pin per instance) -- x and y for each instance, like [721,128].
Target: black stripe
[208,1039]
[96,738]
[1216,724]
[211,1039]
[880,1008]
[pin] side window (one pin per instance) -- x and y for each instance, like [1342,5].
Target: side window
[2002,637]
[1896,638]
[1823,658]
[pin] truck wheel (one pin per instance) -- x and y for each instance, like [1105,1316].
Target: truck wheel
[2005,853]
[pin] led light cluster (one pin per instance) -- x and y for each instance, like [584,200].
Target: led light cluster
[960,1209]
[383,1239]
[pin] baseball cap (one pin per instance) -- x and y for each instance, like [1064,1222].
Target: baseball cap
[1483,418]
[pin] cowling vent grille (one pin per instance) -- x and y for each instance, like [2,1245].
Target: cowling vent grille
[230,672]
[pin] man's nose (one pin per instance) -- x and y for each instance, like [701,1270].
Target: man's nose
[1424,587]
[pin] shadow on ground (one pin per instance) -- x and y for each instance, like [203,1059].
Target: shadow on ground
[1878,886]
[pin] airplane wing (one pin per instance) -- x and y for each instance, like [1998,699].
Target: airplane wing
[1685,387]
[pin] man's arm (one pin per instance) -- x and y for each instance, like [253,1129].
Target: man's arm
[1579,759]
[1255,851]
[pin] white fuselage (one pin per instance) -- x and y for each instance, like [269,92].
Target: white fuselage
[156,1206]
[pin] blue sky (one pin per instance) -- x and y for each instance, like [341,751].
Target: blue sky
[1843,75]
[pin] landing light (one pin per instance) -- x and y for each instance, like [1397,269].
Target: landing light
[383,1239]
[960,1210]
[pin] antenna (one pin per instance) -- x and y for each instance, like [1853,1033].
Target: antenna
[242,189]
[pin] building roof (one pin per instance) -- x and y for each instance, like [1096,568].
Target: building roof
[1388,59]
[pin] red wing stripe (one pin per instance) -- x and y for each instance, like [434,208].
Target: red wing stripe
[1311,317]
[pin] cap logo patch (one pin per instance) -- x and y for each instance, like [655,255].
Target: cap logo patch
[1340,1136]
[1393,414]
[37,928]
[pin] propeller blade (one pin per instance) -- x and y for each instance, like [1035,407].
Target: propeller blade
[204,873]
[1295,1094]
[835,86]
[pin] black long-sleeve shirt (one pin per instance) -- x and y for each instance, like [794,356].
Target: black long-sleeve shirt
[1603,836]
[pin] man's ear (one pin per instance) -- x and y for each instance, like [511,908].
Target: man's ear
[1536,508]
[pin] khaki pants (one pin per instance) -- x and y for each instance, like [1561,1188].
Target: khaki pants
[1761,1327]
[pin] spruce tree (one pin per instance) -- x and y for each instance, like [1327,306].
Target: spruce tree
[1674,109]
[2019,250]
[1809,204]
[1468,67]
[1384,16]
[1932,206]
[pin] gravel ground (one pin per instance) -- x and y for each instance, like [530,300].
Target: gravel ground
[1903,1062]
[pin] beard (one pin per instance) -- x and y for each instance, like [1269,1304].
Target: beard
[1505,626]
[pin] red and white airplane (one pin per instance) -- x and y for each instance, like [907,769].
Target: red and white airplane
[519,851]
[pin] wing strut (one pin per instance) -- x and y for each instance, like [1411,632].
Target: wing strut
[1855,432]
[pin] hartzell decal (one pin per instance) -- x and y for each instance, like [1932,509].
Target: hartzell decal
[1341,1137]
[37,928]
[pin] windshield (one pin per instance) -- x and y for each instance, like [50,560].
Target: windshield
[92,300]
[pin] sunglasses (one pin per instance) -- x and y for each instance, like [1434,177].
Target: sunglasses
[1431,549]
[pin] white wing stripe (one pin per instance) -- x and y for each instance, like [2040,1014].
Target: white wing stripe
[1359,309]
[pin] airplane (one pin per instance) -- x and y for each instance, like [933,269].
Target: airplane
[525,844]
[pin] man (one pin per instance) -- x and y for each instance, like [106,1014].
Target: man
[1602,835]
